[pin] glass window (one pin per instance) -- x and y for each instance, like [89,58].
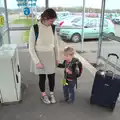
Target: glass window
[17,19]
[2,13]
[1,39]
[111,30]
[105,23]
[76,20]
[18,37]
[16,12]
[92,23]
[5,38]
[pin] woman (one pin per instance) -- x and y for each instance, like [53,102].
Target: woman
[44,53]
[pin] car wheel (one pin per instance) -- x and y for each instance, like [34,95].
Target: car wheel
[113,22]
[118,22]
[76,38]
[111,34]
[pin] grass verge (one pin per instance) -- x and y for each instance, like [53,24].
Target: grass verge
[25,22]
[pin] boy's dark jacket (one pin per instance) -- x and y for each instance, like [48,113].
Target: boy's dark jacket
[72,66]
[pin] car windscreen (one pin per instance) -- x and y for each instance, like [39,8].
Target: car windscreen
[79,23]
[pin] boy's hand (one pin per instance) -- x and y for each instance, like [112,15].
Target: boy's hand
[68,71]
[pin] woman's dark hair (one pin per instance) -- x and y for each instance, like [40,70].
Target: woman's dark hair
[48,14]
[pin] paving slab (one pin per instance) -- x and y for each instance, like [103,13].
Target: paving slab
[33,109]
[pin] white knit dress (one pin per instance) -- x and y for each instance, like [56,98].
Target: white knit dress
[45,51]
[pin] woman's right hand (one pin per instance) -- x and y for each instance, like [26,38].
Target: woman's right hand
[40,66]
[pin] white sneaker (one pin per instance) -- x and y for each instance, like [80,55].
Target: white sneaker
[45,99]
[52,99]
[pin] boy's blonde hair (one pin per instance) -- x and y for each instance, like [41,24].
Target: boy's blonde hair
[69,51]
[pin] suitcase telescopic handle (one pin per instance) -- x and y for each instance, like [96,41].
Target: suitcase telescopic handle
[112,54]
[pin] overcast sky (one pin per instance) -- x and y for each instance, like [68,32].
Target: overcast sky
[110,4]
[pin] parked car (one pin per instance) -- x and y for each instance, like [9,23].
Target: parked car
[91,15]
[68,21]
[116,20]
[62,15]
[91,30]
[59,17]
[111,16]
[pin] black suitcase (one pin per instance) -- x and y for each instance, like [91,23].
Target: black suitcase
[106,87]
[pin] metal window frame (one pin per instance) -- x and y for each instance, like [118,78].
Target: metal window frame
[47,5]
[110,63]
[101,30]
[104,35]
[83,16]
[8,29]
[6,15]
[19,28]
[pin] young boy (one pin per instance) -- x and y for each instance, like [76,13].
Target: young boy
[73,70]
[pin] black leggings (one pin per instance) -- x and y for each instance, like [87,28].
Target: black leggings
[42,79]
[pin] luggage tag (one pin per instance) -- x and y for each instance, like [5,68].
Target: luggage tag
[63,82]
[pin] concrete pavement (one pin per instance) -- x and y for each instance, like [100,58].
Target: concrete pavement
[33,109]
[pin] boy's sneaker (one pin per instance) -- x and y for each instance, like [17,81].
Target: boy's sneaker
[45,99]
[52,99]
[70,101]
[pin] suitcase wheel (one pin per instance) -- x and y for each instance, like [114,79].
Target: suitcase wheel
[112,107]
[21,101]
[91,103]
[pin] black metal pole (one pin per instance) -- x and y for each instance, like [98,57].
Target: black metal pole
[101,30]
[46,4]
[6,15]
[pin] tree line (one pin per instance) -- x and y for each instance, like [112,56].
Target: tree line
[80,9]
